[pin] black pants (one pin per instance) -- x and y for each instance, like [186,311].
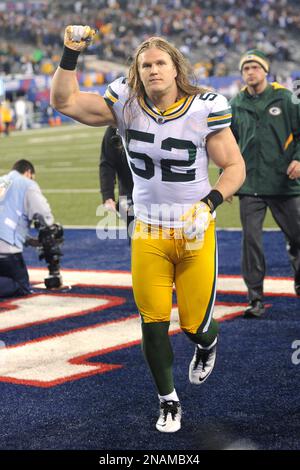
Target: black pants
[126,212]
[286,213]
[14,279]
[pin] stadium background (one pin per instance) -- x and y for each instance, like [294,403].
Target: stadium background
[251,399]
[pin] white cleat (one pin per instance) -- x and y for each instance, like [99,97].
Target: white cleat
[202,364]
[169,416]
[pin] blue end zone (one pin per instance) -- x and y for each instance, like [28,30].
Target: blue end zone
[83,250]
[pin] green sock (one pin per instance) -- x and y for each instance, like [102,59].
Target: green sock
[158,353]
[207,338]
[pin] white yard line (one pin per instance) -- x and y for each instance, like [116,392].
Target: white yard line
[59,163]
[65,191]
[46,130]
[56,138]
[81,146]
[83,169]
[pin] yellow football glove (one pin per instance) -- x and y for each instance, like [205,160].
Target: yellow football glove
[78,37]
[196,221]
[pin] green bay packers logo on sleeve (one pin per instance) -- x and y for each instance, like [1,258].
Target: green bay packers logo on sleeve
[275,111]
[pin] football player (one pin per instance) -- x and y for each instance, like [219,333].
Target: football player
[169,128]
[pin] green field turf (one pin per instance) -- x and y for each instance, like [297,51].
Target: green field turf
[66,159]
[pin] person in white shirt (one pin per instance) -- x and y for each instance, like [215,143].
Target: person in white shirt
[20,200]
[20,110]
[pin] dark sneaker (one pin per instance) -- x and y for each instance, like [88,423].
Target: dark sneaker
[202,364]
[255,310]
[169,416]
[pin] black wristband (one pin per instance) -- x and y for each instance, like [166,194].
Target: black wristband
[69,59]
[213,199]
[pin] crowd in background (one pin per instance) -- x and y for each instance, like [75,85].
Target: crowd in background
[211,33]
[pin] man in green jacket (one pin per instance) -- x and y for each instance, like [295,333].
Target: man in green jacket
[266,125]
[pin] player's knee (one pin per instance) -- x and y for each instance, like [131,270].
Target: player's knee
[154,332]
[192,329]
[154,317]
[196,337]
[199,336]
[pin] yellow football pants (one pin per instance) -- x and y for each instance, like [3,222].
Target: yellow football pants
[161,258]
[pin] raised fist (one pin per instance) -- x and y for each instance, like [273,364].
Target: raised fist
[78,37]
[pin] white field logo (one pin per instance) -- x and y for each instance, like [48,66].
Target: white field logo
[61,357]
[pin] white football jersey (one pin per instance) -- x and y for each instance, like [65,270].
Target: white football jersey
[166,151]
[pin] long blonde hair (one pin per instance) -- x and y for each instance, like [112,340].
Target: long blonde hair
[183,68]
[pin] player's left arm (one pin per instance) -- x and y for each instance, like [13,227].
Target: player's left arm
[225,153]
[223,150]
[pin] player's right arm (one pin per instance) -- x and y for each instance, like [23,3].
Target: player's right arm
[87,108]
[65,96]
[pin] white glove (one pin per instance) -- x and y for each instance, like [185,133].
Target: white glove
[196,221]
[78,37]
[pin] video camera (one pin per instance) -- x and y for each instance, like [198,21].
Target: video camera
[50,239]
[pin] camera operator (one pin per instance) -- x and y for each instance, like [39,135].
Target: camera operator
[20,200]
